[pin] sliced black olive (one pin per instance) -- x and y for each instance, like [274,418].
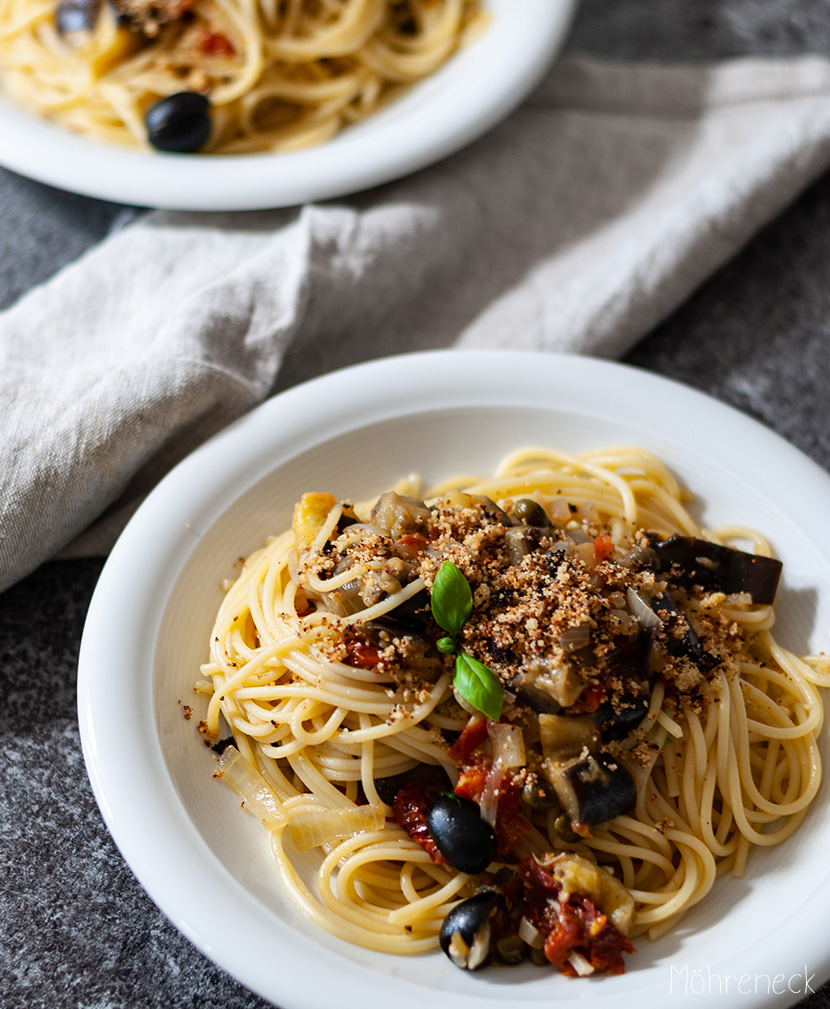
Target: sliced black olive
[617,724]
[465,932]
[593,788]
[179,123]
[465,840]
[73,16]
[691,561]
[531,513]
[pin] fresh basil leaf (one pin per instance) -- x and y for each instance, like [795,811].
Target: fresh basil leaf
[451,600]
[479,685]
[446,645]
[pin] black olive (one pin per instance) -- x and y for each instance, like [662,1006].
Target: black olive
[179,123]
[465,932]
[465,840]
[76,16]
[531,513]
[594,789]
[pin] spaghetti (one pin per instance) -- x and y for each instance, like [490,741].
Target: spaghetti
[276,75]
[648,733]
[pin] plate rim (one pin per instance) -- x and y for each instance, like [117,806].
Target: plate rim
[92,708]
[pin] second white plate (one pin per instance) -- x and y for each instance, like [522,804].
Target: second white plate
[471,93]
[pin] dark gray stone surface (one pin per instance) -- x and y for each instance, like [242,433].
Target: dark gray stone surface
[75,927]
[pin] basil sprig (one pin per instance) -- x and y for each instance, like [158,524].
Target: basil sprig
[452,603]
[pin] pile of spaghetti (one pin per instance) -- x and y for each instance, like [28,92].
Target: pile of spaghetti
[260,74]
[535,717]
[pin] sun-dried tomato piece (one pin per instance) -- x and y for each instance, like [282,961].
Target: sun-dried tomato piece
[409,808]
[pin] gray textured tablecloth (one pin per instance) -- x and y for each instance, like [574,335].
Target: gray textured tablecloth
[75,927]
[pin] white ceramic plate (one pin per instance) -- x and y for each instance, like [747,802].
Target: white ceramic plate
[352,433]
[471,93]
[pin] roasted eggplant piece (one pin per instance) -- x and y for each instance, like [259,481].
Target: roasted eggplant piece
[397,515]
[690,561]
[490,508]
[592,788]
[619,722]
[539,700]
[565,736]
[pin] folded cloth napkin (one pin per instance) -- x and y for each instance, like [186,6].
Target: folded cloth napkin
[576,225]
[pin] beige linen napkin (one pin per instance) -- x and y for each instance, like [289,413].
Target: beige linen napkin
[576,225]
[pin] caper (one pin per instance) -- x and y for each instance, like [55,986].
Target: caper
[538,793]
[562,826]
[530,513]
[510,949]
[537,956]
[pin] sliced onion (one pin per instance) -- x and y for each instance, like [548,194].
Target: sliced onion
[642,611]
[309,830]
[508,744]
[582,967]
[574,638]
[530,934]
[558,509]
[253,788]
[345,600]
[489,802]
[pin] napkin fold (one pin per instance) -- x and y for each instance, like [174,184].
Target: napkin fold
[576,225]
